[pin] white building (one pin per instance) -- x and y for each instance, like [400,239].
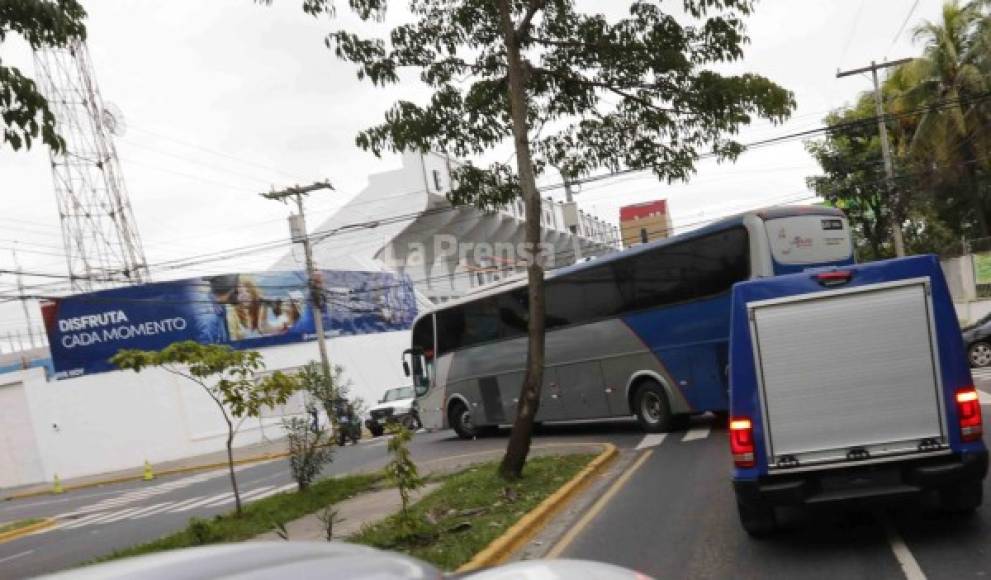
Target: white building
[400,222]
[403,222]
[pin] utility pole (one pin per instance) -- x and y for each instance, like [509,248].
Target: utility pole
[297,228]
[24,303]
[889,172]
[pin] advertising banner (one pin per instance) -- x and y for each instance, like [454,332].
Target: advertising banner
[244,311]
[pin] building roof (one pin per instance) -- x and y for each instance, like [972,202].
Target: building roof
[642,210]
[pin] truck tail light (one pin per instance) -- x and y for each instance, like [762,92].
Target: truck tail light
[969,413]
[741,441]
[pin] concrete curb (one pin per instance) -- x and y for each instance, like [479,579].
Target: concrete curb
[501,548]
[140,476]
[26,530]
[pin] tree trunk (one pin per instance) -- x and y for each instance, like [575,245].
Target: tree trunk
[529,402]
[230,466]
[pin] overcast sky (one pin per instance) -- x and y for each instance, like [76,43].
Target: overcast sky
[224,99]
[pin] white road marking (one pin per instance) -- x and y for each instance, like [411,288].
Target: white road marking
[271,492]
[97,518]
[910,566]
[164,508]
[184,503]
[227,497]
[130,514]
[650,440]
[985,398]
[203,502]
[15,556]
[132,496]
[255,492]
[82,521]
[697,432]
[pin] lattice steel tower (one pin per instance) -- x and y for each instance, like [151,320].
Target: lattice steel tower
[101,240]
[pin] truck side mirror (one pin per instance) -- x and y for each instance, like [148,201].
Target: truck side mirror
[406,368]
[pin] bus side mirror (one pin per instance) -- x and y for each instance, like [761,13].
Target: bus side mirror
[406,368]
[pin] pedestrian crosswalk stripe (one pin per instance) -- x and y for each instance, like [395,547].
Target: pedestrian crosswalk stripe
[227,497]
[697,432]
[274,491]
[133,513]
[133,496]
[255,492]
[184,503]
[100,518]
[85,521]
[138,512]
[203,502]
[985,398]
[165,508]
[651,440]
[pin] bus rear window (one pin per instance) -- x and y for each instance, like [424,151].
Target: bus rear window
[809,239]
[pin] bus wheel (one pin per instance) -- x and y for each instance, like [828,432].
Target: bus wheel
[651,407]
[460,419]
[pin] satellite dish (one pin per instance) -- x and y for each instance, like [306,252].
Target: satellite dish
[113,120]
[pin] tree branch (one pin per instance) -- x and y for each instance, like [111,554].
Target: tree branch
[618,90]
[209,391]
[532,8]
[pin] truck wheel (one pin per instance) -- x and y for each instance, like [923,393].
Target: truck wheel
[409,422]
[459,416]
[757,519]
[650,405]
[979,354]
[341,438]
[376,431]
[962,498]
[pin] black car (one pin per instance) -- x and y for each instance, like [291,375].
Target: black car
[977,341]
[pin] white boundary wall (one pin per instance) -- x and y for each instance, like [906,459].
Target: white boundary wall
[112,421]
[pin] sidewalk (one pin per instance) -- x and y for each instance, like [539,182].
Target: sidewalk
[355,513]
[246,454]
[372,507]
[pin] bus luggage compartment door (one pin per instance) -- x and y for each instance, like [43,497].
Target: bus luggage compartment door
[847,371]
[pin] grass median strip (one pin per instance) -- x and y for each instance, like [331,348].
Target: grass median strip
[472,508]
[12,526]
[258,517]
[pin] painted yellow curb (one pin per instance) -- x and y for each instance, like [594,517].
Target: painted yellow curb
[501,548]
[140,476]
[14,534]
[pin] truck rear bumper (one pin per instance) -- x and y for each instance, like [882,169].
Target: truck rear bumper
[864,483]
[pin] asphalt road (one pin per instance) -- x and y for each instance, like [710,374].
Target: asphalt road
[675,517]
[671,514]
[96,521]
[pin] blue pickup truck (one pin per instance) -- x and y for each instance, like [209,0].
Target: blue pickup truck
[851,384]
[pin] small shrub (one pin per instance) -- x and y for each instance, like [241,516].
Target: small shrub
[328,516]
[201,532]
[401,470]
[309,449]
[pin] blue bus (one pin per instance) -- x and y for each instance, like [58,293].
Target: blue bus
[641,332]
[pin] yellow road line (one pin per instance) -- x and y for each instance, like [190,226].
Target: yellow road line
[597,507]
[26,530]
[500,549]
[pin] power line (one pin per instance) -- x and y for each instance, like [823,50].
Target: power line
[902,27]
[853,29]
[231,253]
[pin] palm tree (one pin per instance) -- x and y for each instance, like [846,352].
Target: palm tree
[952,78]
